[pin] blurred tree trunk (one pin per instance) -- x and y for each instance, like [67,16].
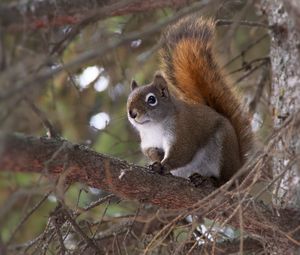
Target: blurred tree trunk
[284,19]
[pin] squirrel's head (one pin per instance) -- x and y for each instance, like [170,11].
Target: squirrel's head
[149,104]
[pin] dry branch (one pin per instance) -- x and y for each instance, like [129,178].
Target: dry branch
[44,155]
[43,14]
[92,54]
[76,163]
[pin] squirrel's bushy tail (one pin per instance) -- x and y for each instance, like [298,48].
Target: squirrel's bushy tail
[188,64]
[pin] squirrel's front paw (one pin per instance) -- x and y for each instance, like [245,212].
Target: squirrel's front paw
[157,167]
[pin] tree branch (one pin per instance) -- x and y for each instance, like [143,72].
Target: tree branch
[48,156]
[76,163]
[89,55]
[43,14]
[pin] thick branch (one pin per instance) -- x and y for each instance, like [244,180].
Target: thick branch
[41,14]
[79,164]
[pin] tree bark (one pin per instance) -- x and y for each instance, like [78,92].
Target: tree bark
[76,163]
[284,20]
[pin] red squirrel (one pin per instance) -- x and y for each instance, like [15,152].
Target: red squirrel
[189,118]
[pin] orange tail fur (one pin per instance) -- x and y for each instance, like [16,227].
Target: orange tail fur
[188,64]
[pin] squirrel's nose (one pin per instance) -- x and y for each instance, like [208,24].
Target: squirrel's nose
[133,113]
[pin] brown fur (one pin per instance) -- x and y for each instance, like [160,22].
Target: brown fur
[194,128]
[188,64]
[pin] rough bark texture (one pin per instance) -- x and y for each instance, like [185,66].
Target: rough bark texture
[76,163]
[285,98]
[42,14]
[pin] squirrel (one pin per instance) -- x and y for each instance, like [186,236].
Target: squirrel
[189,118]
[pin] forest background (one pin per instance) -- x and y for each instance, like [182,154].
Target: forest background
[65,71]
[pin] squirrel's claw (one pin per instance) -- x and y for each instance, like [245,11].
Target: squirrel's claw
[199,180]
[158,167]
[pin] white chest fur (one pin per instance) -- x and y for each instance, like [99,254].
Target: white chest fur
[155,136]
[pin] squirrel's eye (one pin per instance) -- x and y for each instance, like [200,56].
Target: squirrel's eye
[151,99]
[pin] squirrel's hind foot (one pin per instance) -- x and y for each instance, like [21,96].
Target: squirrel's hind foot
[199,180]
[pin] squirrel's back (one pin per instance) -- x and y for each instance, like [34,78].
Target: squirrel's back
[189,66]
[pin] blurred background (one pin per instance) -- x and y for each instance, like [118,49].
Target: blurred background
[86,103]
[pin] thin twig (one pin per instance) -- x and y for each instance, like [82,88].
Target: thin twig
[89,55]
[59,235]
[47,124]
[225,22]
[251,71]
[27,215]
[78,230]
[257,41]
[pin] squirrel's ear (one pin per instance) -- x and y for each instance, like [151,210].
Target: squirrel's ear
[133,85]
[161,84]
